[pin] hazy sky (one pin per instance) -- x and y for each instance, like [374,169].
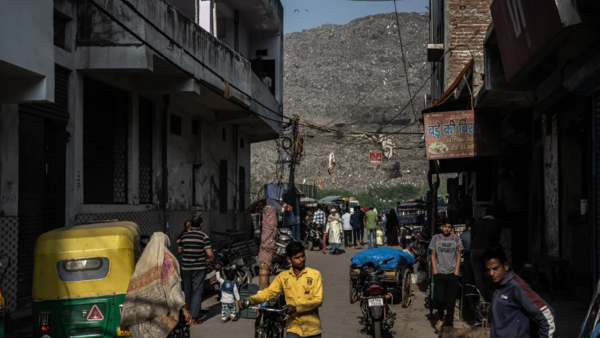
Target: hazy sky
[339,11]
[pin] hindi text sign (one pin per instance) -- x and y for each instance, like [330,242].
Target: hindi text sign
[460,134]
[375,156]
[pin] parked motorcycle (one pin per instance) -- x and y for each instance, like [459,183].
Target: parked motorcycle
[377,319]
[4,264]
[407,236]
[284,237]
[311,237]
[419,248]
[231,260]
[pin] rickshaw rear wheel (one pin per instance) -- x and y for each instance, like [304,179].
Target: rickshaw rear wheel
[406,288]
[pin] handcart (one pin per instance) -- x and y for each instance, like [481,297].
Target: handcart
[397,274]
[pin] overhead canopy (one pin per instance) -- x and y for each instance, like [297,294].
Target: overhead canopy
[329,199]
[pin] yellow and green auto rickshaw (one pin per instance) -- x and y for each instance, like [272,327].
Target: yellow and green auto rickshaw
[80,277]
[4,264]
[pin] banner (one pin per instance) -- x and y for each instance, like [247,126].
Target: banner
[375,156]
[460,134]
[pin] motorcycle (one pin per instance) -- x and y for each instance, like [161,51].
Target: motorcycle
[231,260]
[407,236]
[378,319]
[4,264]
[311,237]
[419,248]
[284,237]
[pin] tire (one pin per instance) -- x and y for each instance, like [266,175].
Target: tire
[377,329]
[406,288]
[353,292]
[309,245]
[243,277]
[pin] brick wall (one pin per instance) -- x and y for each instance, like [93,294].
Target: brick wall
[468,21]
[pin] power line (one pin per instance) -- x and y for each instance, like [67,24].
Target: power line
[404,59]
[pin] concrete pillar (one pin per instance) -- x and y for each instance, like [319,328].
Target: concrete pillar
[9,159]
[551,187]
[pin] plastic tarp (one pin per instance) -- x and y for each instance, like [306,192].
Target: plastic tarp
[375,256]
[275,190]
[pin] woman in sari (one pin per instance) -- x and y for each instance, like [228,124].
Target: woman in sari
[154,306]
[391,227]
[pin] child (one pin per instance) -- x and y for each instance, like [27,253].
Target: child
[229,295]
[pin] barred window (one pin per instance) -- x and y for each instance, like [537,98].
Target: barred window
[145,150]
[105,143]
[223,186]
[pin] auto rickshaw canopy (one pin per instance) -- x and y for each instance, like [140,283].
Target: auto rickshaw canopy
[110,249]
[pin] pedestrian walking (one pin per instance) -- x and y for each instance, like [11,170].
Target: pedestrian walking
[186,227]
[371,225]
[334,230]
[303,290]
[361,213]
[514,304]
[485,234]
[347,229]
[357,225]
[156,281]
[445,259]
[391,226]
[320,220]
[197,255]
[229,296]
[267,243]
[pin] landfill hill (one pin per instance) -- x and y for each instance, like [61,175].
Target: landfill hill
[351,77]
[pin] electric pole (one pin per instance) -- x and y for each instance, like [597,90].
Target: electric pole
[292,198]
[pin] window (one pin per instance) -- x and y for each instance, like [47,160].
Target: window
[223,186]
[105,144]
[60,30]
[145,150]
[175,124]
[77,270]
[242,188]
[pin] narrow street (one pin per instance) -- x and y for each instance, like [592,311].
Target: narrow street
[339,318]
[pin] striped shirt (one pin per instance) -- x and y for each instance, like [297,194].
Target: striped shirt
[193,245]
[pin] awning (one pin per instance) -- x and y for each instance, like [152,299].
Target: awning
[450,91]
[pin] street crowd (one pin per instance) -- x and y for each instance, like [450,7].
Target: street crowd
[159,276]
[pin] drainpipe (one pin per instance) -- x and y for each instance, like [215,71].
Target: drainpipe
[165,168]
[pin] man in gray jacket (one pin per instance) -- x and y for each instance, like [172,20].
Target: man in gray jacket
[514,304]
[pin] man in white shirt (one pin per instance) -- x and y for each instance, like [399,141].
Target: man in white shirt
[267,80]
[347,229]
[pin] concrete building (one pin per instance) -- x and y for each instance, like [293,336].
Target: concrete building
[130,110]
[457,30]
[534,71]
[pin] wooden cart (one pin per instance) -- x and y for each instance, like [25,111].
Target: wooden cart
[399,278]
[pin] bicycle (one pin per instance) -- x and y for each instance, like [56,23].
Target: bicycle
[270,322]
[482,309]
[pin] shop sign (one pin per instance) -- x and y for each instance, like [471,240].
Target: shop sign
[460,134]
[375,156]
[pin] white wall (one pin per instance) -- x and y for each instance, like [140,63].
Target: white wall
[206,15]
[26,33]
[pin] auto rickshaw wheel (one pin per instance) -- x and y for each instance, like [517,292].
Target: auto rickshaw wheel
[406,288]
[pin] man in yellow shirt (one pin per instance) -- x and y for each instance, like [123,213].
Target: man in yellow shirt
[303,291]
